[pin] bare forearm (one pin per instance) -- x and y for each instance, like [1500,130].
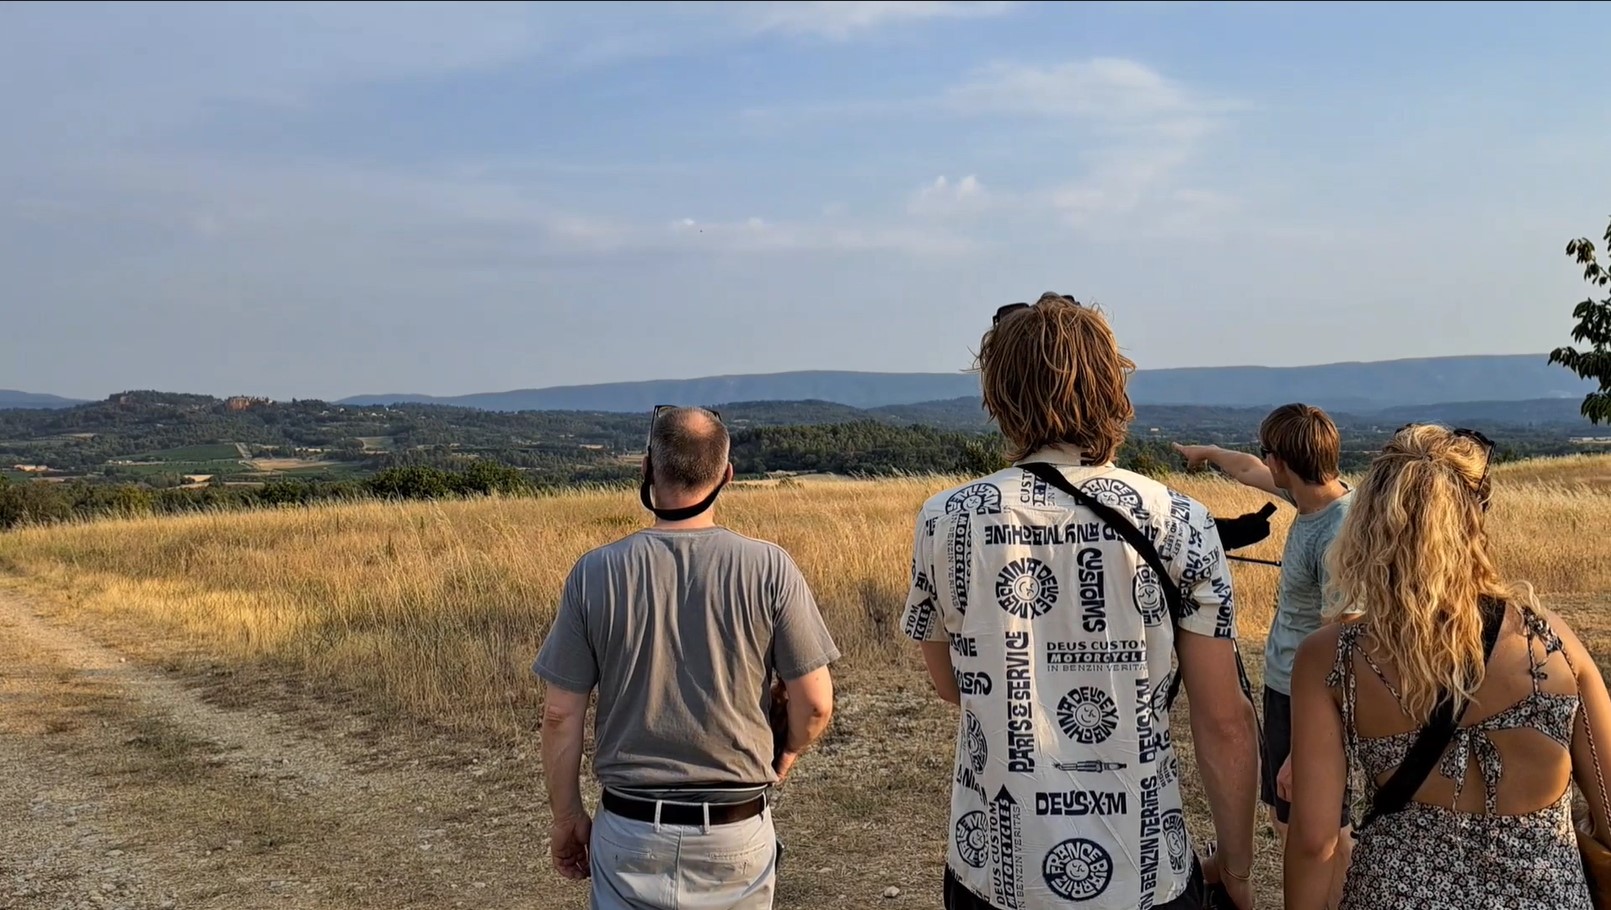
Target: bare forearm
[562,765]
[937,659]
[806,724]
[1244,467]
[1307,876]
[1228,762]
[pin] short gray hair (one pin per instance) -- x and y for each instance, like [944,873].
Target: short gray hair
[688,449]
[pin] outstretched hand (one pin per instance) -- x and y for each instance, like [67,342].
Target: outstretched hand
[1196,456]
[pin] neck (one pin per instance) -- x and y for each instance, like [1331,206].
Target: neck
[681,500]
[1314,498]
[705,519]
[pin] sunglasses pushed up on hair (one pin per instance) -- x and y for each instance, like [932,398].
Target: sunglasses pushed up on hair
[1004,311]
[1484,491]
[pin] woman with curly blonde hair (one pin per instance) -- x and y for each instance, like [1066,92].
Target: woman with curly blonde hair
[1433,643]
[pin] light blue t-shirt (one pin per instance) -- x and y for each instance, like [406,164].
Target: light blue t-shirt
[1298,597]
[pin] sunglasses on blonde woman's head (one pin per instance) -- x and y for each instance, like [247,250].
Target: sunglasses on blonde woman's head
[1484,489]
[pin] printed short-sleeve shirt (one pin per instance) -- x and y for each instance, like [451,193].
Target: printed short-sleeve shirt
[1066,784]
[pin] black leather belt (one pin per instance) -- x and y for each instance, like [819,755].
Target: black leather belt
[672,813]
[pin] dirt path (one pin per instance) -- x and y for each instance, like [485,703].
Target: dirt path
[123,787]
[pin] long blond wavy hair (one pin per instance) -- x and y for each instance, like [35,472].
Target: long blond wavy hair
[1412,558]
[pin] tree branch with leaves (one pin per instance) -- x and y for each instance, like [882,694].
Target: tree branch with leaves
[1594,329]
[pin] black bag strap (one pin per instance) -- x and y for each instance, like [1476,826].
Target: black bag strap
[1149,554]
[1395,794]
[1131,534]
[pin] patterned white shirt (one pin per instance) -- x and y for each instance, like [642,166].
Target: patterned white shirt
[1066,785]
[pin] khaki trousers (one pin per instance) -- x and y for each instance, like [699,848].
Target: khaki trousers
[638,865]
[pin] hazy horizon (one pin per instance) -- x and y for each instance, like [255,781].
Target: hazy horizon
[330,200]
[1541,357]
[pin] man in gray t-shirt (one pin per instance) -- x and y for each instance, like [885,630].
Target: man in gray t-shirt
[1300,451]
[680,628]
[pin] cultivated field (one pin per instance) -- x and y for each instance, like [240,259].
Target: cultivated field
[332,707]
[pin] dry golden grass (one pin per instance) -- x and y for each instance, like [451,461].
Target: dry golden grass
[436,610]
[432,613]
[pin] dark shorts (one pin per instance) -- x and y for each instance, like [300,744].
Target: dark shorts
[1277,746]
[959,897]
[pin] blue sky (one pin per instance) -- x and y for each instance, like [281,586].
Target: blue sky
[323,200]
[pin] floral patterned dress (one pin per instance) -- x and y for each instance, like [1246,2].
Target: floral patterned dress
[1434,857]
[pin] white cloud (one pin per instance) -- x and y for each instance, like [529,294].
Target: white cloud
[944,196]
[1111,91]
[1134,129]
[841,20]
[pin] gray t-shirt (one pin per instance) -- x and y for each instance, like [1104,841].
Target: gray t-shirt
[679,630]
[1299,594]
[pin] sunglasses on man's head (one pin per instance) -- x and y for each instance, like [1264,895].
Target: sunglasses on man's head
[661,409]
[1002,312]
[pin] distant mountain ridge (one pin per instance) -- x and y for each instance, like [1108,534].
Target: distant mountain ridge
[1347,386]
[11,398]
[1354,386]
[967,414]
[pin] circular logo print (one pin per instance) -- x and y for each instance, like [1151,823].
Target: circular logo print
[1087,715]
[1077,869]
[1113,493]
[1150,596]
[979,498]
[1026,588]
[978,750]
[973,838]
[1174,829]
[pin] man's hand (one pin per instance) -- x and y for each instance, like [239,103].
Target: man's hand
[784,762]
[568,840]
[1196,456]
[1242,467]
[1239,890]
[1283,780]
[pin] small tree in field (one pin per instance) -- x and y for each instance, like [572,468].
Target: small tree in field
[1593,328]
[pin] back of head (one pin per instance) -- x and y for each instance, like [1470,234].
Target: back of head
[688,450]
[1413,555]
[1052,373]
[1306,439]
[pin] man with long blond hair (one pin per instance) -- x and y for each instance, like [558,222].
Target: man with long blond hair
[1466,708]
[1048,599]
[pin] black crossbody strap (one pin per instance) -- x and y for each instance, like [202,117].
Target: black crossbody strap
[1149,553]
[1395,794]
[1131,534]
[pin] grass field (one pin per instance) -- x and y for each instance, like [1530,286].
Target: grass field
[429,616]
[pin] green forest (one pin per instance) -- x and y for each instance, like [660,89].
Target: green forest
[142,452]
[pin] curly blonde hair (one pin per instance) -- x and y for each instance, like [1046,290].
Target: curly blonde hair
[1412,559]
[1052,373]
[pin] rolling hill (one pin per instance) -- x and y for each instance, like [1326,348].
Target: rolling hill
[11,398]
[1352,386]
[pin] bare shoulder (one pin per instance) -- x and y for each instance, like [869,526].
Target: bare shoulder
[1318,650]
[1570,642]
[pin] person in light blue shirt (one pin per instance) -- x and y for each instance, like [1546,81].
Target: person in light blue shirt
[1299,451]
